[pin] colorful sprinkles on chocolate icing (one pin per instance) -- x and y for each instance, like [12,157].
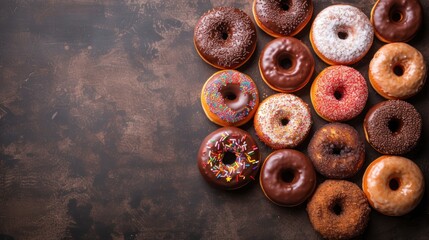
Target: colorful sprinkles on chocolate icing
[218,104]
[245,157]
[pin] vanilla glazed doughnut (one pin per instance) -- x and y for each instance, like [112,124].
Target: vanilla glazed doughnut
[282,18]
[396,20]
[225,37]
[393,185]
[339,93]
[228,158]
[341,35]
[229,98]
[282,121]
[397,71]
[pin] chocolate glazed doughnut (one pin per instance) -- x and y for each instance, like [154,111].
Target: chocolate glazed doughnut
[286,64]
[396,20]
[393,127]
[337,151]
[228,158]
[287,177]
[225,37]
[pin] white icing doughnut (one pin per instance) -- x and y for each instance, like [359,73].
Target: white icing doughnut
[341,34]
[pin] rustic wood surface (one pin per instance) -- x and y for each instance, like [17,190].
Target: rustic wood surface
[100,123]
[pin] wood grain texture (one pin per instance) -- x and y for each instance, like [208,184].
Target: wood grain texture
[100,123]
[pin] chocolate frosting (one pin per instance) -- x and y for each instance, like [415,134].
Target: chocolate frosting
[397,31]
[225,37]
[337,151]
[276,188]
[233,175]
[381,137]
[300,71]
[272,14]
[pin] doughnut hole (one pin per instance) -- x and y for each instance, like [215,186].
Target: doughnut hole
[394,184]
[398,70]
[223,32]
[285,62]
[339,93]
[394,125]
[287,175]
[396,16]
[337,207]
[285,4]
[343,35]
[284,121]
[228,158]
[230,92]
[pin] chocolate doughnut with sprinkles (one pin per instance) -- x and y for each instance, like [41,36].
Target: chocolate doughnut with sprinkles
[228,158]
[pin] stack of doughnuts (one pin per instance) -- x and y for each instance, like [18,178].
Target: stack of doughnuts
[340,35]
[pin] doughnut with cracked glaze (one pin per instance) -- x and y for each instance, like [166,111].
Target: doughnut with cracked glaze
[397,71]
[286,64]
[280,18]
[228,158]
[338,209]
[282,121]
[287,177]
[393,127]
[225,37]
[393,185]
[339,93]
[396,20]
[229,98]
[341,35]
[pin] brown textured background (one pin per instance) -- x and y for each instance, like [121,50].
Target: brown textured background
[100,122]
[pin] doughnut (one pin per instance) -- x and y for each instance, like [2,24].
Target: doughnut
[397,71]
[225,37]
[287,177]
[282,121]
[339,93]
[337,151]
[229,98]
[393,127]
[282,18]
[396,20]
[341,35]
[338,210]
[228,158]
[393,185]
[286,64]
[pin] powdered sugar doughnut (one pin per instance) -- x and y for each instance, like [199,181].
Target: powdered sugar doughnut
[341,35]
[282,121]
[339,93]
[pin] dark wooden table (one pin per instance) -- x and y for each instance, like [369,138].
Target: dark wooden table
[100,122]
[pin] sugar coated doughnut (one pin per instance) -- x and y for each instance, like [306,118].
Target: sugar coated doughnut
[228,158]
[282,18]
[229,98]
[282,121]
[286,64]
[393,185]
[341,35]
[225,37]
[339,93]
[393,127]
[396,20]
[338,210]
[337,151]
[397,71]
[287,177]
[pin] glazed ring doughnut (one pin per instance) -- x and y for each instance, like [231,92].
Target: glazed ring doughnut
[396,20]
[286,64]
[287,177]
[282,18]
[341,35]
[228,158]
[282,121]
[339,93]
[337,151]
[397,71]
[393,185]
[225,37]
[338,210]
[393,127]
[229,98]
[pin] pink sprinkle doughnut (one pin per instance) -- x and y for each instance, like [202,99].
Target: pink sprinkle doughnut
[282,121]
[339,93]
